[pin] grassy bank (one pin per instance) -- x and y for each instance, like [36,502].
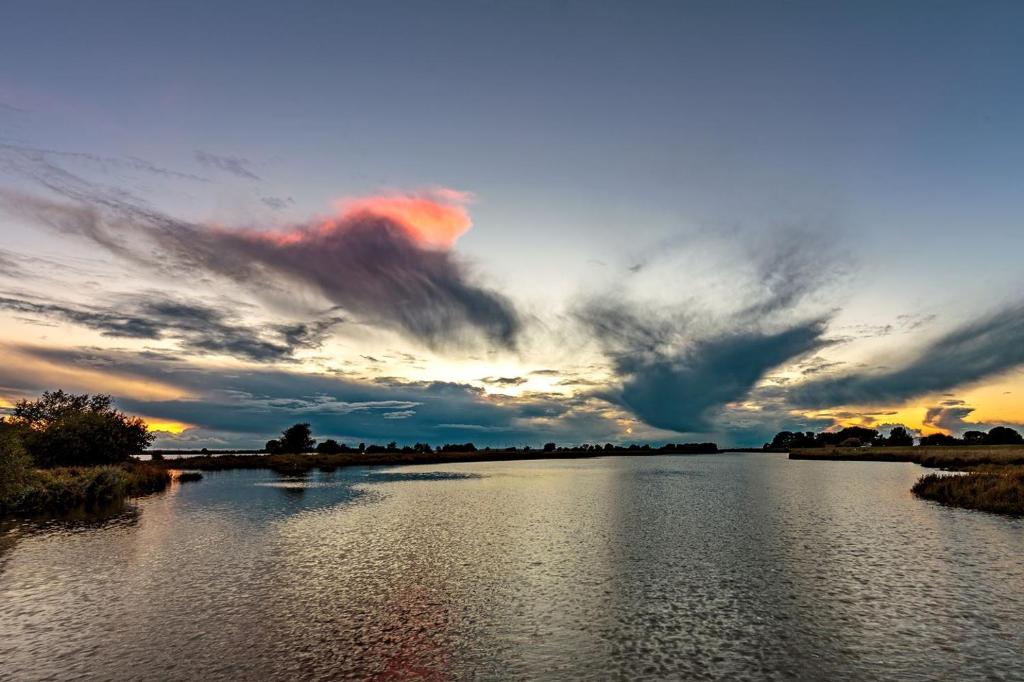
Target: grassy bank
[64,488]
[299,463]
[994,481]
[935,456]
[998,489]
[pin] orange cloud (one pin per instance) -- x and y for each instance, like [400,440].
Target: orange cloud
[434,219]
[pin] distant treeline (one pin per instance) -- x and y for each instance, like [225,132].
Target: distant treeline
[299,438]
[856,436]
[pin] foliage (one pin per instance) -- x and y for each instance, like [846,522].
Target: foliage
[15,466]
[999,489]
[297,438]
[899,436]
[938,439]
[64,429]
[1002,435]
[61,488]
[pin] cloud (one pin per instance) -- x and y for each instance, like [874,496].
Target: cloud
[277,203]
[197,328]
[504,381]
[974,351]
[9,266]
[39,163]
[235,165]
[246,407]
[678,381]
[952,418]
[385,259]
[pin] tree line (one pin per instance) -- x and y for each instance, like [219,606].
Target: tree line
[298,438]
[856,436]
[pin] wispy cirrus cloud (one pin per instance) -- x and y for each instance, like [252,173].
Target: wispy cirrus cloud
[234,165]
[976,350]
[194,327]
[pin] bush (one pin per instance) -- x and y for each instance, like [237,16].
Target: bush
[63,429]
[15,468]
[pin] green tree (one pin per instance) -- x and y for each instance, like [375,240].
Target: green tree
[64,429]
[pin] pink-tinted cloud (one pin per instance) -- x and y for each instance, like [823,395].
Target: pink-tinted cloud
[386,259]
[434,219]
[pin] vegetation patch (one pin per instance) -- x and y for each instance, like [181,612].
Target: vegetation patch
[65,451]
[63,488]
[992,489]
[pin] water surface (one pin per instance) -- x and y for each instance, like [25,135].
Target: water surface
[697,567]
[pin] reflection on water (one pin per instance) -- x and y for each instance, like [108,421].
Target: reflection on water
[717,567]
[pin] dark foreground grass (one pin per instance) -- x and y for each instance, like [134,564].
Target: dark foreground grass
[998,489]
[64,488]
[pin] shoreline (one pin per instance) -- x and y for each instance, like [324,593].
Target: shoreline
[993,479]
[303,462]
[931,456]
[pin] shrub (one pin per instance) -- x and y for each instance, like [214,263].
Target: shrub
[15,468]
[63,429]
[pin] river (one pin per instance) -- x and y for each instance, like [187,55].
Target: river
[735,566]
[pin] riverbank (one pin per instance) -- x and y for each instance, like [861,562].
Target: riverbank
[997,489]
[63,488]
[933,456]
[993,480]
[300,463]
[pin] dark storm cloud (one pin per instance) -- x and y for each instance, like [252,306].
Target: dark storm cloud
[234,165]
[675,381]
[197,328]
[974,351]
[366,264]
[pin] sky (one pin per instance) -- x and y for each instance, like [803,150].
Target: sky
[515,222]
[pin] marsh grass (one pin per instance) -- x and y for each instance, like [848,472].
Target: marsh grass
[189,476]
[64,488]
[998,489]
[936,456]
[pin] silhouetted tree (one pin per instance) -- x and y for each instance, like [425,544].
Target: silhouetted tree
[1003,435]
[297,438]
[898,435]
[330,447]
[975,437]
[64,429]
[273,447]
[549,447]
[939,439]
